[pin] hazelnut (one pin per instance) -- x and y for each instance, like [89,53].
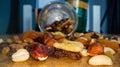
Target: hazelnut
[39,52]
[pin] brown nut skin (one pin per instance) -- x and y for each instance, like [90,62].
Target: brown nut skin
[38,51]
[50,42]
[48,39]
[95,49]
[47,36]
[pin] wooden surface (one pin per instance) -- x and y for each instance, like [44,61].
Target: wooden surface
[54,62]
[6,61]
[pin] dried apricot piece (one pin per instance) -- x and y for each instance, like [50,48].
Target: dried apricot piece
[30,34]
[95,49]
[113,45]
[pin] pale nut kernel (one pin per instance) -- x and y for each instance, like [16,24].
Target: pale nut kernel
[110,50]
[84,52]
[1,40]
[69,46]
[20,55]
[42,58]
[100,60]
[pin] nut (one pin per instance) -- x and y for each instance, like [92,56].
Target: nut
[100,60]
[58,35]
[109,49]
[64,25]
[29,40]
[38,52]
[69,46]
[9,40]
[20,55]
[109,52]
[5,50]
[1,40]
[84,52]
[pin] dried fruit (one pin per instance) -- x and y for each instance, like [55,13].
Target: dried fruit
[95,49]
[113,45]
[64,25]
[59,53]
[31,34]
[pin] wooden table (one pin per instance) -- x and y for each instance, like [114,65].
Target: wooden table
[54,62]
[6,61]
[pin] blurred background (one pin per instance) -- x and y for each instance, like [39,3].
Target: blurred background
[17,16]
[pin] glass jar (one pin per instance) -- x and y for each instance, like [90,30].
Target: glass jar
[57,12]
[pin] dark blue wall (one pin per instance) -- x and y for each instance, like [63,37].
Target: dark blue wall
[11,15]
[4,15]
